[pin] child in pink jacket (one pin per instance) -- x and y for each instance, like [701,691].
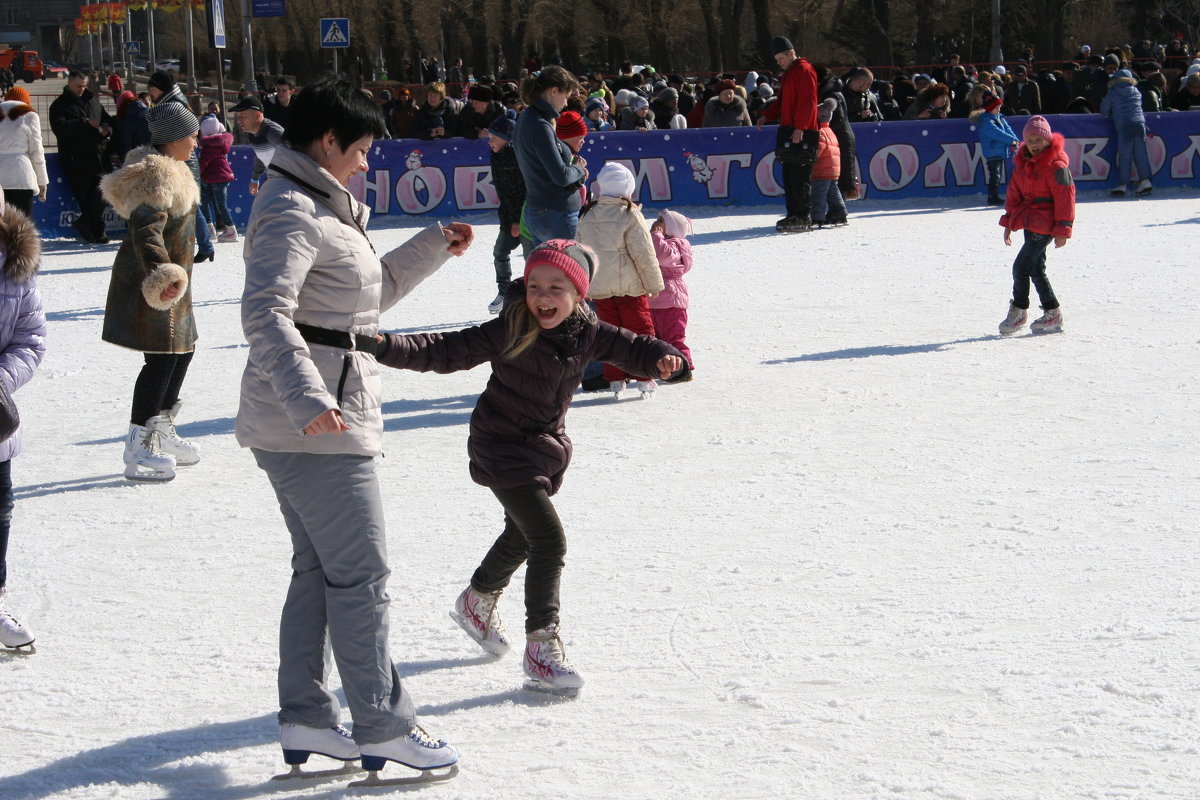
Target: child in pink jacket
[216,175]
[669,307]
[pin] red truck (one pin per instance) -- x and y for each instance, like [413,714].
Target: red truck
[26,65]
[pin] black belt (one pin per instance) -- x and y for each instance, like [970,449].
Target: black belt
[332,338]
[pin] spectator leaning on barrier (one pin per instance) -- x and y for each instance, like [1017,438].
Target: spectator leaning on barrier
[861,104]
[1023,95]
[726,109]
[437,117]
[478,113]
[262,134]
[932,102]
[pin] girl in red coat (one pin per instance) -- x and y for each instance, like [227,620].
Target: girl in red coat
[1041,201]
[828,206]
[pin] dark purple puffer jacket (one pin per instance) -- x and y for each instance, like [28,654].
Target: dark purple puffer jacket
[518,434]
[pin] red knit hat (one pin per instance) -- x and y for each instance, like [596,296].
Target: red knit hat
[570,125]
[575,260]
[989,101]
[20,94]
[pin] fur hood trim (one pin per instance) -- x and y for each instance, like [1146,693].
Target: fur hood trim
[976,114]
[19,236]
[1114,82]
[148,177]
[14,109]
[1053,154]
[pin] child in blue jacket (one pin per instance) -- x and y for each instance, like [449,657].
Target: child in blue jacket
[997,138]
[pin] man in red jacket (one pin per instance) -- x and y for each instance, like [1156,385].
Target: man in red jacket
[796,142]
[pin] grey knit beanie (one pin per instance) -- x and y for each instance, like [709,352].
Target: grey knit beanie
[170,122]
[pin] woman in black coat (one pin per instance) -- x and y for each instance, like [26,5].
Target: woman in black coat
[831,86]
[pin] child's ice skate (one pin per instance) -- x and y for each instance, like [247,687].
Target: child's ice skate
[416,750]
[1014,321]
[546,665]
[1049,322]
[647,388]
[616,387]
[12,633]
[228,235]
[497,305]
[477,613]
[1144,187]
[144,457]
[300,741]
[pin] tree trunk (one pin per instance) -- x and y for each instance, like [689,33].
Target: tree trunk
[731,12]
[762,28]
[656,36]
[713,34]
[475,22]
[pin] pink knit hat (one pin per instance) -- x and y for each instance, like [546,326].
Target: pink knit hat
[675,225]
[1037,125]
[575,260]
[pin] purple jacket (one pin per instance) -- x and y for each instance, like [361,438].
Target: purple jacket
[518,429]
[214,165]
[22,321]
[675,261]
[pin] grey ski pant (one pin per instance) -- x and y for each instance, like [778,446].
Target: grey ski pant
[337,600]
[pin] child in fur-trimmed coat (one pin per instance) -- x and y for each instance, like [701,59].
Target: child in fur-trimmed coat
[828,206]
[1041,201]
[22,346]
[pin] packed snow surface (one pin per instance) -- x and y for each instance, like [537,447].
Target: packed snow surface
[873,551]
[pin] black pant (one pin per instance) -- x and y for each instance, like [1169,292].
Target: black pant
[158,385]
[995,170]
[6,509]
[797,188]
[1031,266]
[85,185]
[533,533]
[20,198]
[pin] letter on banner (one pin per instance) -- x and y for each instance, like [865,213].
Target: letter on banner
[764,177]
[652,171]
[961,158]
[1181,165]
[420,189]
[1086,162]
[381,186]
[473,188]
[718,184]
[905,156]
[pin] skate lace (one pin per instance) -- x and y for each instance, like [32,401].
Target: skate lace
[422,737]
[487,602]
[152,439]
[6,617]
[549,651]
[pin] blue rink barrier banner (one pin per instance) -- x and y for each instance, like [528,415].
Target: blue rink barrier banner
[713,166]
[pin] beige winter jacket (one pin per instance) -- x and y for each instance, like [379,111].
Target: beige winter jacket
[308,260]
[627,265]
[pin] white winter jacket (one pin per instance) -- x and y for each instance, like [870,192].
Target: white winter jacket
[627,265]
[308,260]
[22,160]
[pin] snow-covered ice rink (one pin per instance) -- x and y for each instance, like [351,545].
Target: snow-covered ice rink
[873,550]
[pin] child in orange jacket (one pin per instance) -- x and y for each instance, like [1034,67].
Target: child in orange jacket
[828,206]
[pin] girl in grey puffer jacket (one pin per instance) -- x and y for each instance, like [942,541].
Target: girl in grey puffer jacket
[1123,104]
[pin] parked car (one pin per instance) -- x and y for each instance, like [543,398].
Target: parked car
[168,64]
[55,70]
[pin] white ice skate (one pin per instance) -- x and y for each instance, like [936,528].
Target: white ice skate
[647,388]
[1014,321]
[478,615]
[417,750]
[1049,322]
[12,633]
[228,235]
[497,305]
[186,452]
[546,664]
[616,387]
[1144,187]
[144,458]
[300,741]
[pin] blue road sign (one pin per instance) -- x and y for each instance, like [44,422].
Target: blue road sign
[133,48]
[268,8]
[215,13]
[335,32]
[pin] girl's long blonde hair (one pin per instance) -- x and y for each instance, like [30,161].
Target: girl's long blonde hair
[523,327]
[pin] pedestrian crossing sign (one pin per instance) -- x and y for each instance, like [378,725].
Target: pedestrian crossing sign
[335,32]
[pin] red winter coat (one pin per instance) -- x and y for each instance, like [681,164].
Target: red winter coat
[214,166]
[828,166]
[797,104]
[1041,194]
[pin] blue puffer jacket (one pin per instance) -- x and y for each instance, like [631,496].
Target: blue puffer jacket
[995,134]
[551,181]
[22,321]
[1123,103]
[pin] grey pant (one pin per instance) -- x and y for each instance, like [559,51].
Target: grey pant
[338,597]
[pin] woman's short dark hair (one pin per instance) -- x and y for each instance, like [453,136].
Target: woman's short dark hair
[332,104]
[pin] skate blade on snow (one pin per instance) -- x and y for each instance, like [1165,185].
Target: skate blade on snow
[534,685]
[1044,331]
[136,472]
[26,649]
[349,768]
[491,648]
[373,781]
